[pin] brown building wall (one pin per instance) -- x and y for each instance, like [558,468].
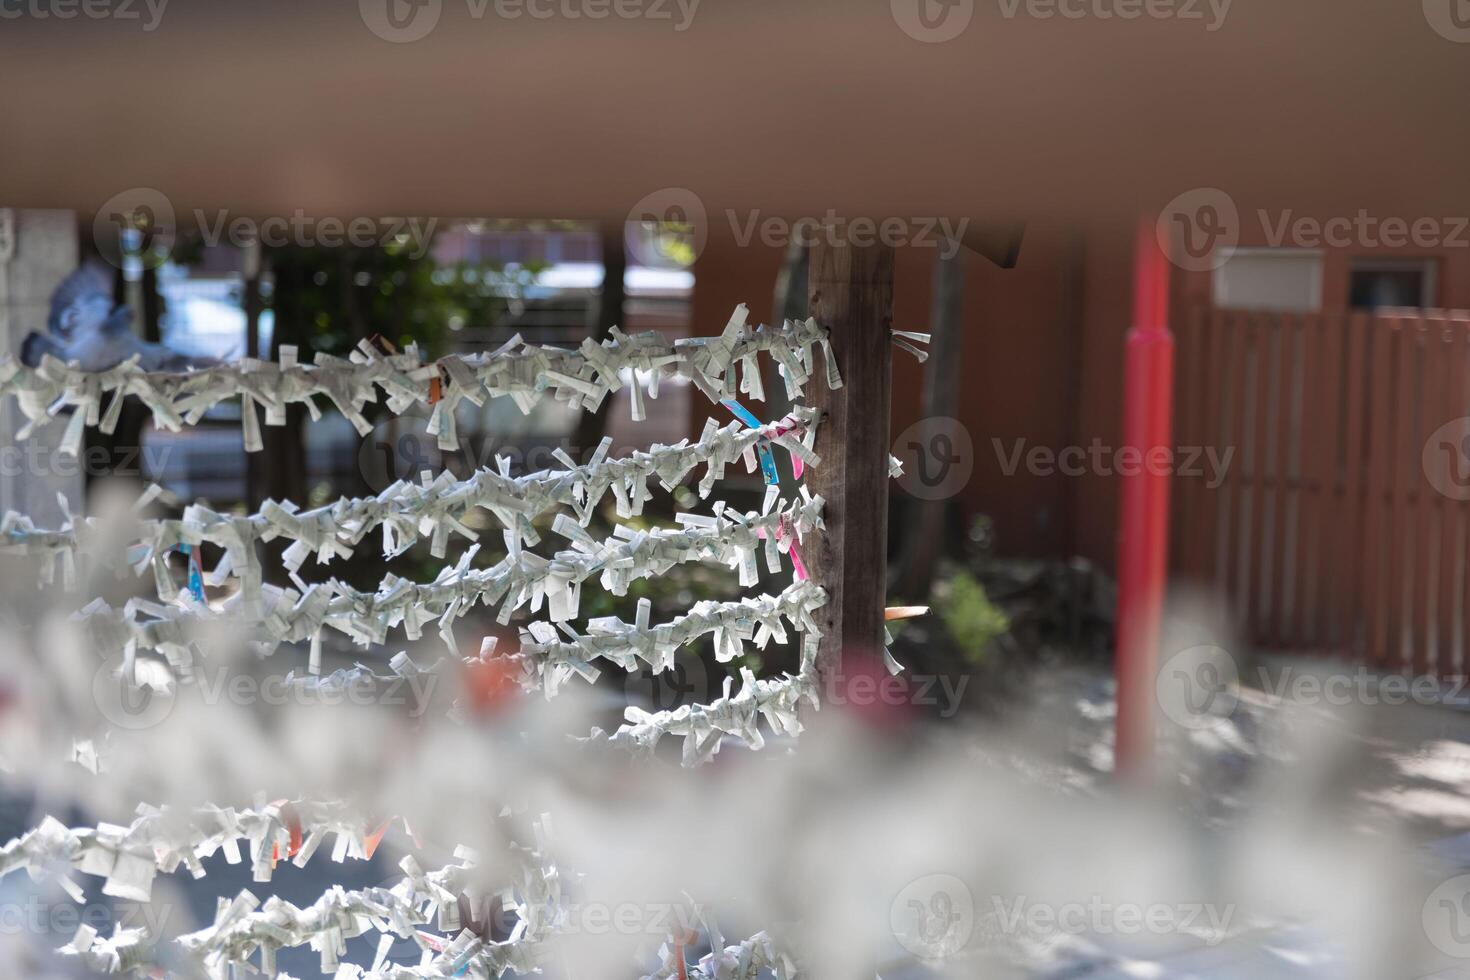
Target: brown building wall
[1452,264]
[727,274]
[1042,362]
[1106,315]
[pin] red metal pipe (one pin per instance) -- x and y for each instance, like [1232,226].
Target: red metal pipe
[1143,531]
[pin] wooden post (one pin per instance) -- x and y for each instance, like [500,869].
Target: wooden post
[928,521]
[850,292]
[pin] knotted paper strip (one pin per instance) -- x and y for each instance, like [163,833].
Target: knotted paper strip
[162,840]
[704,726]
[243,929]
[581,377]
[405,511]
[547,658]
[247,931]
[522,579]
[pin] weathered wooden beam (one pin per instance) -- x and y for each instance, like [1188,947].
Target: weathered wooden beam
[926,524]
[850,291]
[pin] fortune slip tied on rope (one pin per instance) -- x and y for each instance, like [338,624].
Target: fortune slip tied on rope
[157,841]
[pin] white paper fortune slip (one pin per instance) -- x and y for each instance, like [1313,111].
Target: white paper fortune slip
[246,932]
[581,377]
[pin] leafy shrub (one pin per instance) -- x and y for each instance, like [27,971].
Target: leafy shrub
[973,620]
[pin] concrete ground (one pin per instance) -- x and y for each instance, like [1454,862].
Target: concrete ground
[1378,763]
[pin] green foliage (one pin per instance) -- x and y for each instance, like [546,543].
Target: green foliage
[973,620]
[327,299]
[669,243]
[476,295]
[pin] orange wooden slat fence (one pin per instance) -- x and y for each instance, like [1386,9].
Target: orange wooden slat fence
[1341,521]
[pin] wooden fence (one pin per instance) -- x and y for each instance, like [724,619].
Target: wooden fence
[1340,524]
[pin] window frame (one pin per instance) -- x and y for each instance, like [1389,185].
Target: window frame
[1427,264]
[1218,291]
